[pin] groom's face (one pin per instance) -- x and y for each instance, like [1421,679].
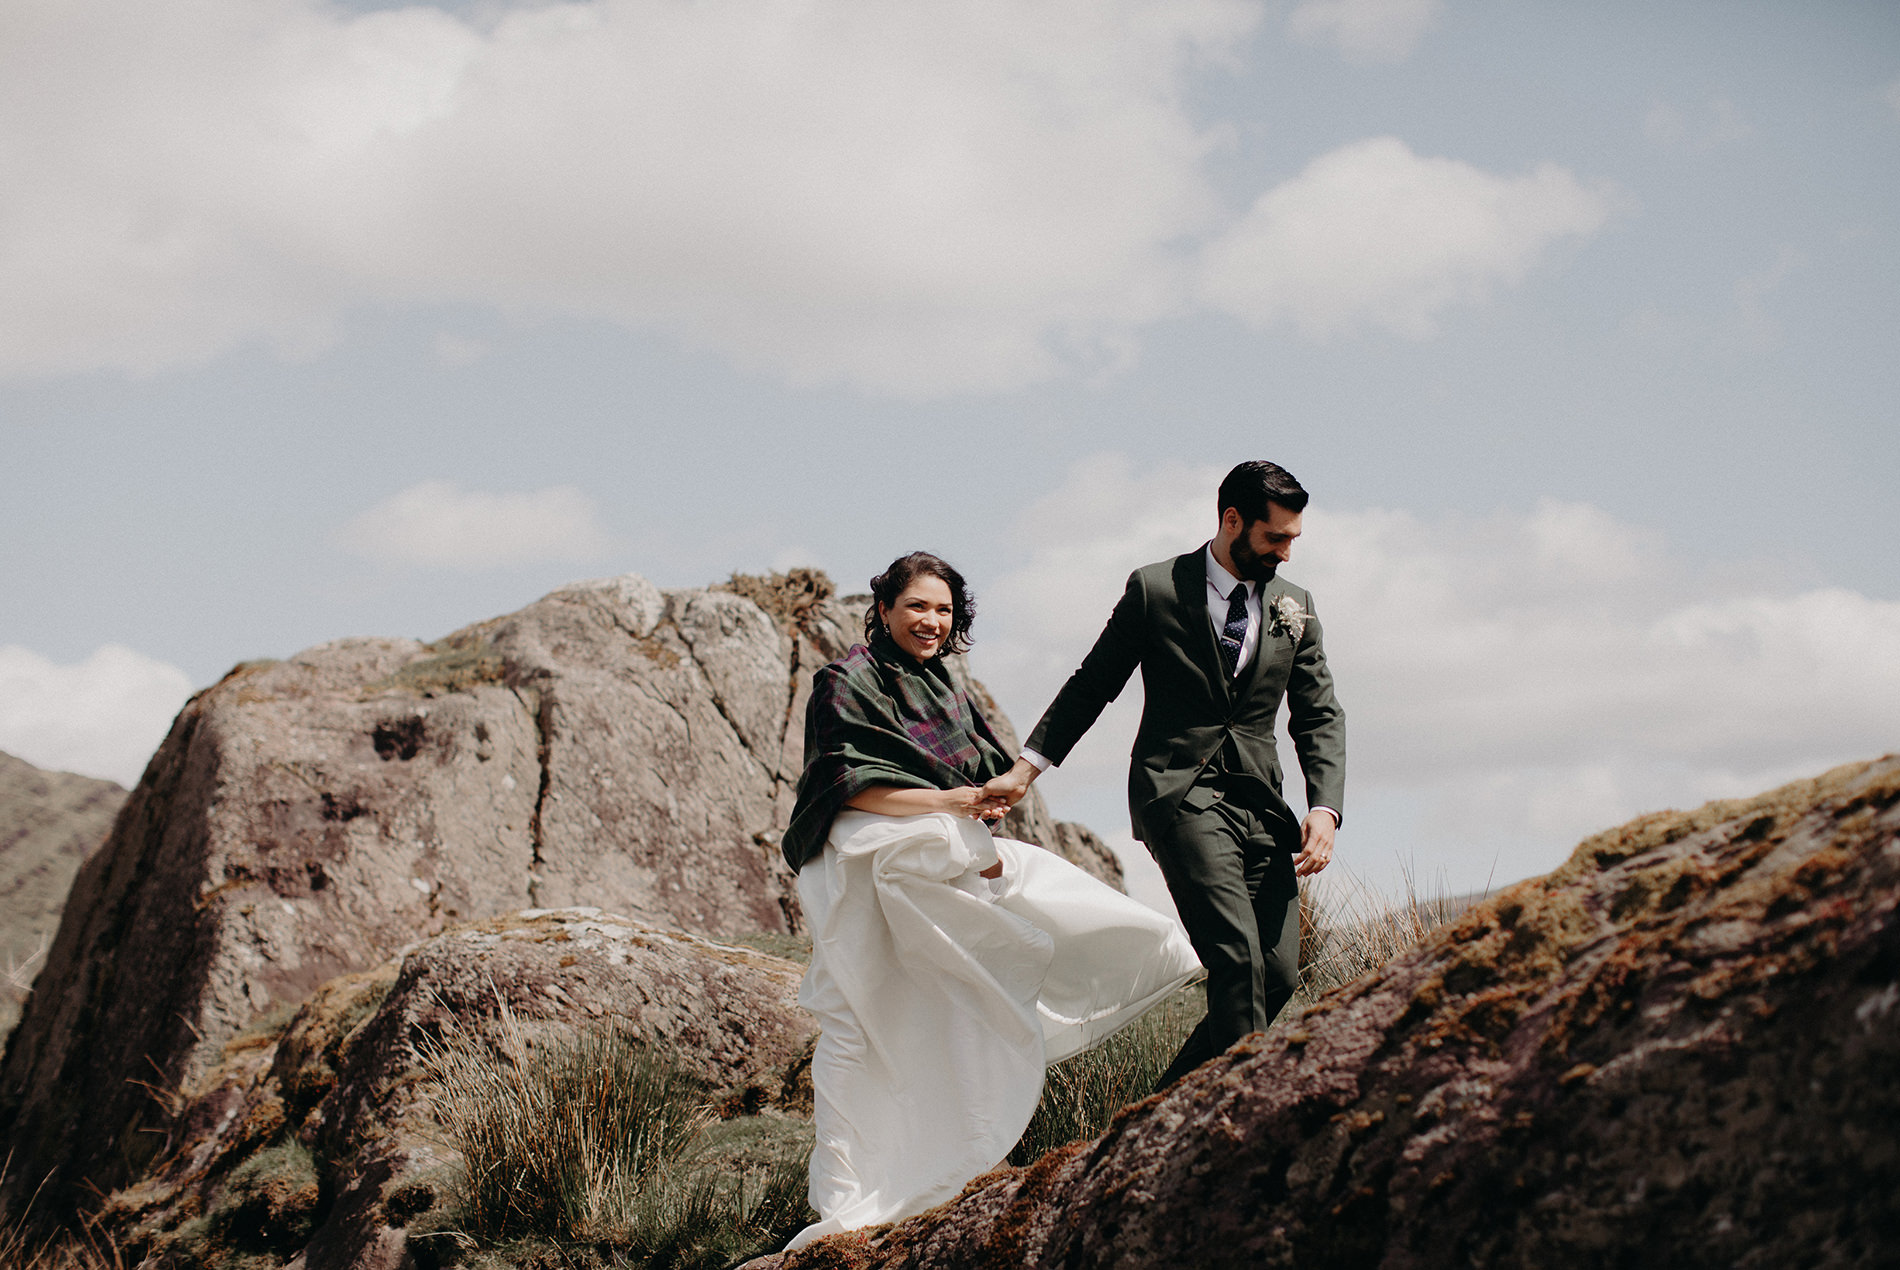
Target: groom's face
[1264,544]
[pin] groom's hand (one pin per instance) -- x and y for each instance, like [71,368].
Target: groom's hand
[1013,784]
[1316,843]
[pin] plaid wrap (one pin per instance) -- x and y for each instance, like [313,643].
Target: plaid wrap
[878,717]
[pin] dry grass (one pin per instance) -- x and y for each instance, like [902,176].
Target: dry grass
[1082,1094]
[1345,932]
[1349,929]
[602,1141]
[25,1246]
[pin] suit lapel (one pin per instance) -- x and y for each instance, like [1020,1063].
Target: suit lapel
[1190,593]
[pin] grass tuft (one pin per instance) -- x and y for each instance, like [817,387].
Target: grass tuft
[1349,929]
[601,1141]
[24,1245]
[1082,1094]
[1345,932]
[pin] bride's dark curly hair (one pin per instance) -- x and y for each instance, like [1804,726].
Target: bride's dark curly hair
[888,585]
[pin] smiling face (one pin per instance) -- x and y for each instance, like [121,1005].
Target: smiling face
[919,620]
[1258,548]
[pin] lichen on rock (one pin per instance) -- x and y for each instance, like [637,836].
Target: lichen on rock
[1677,1049]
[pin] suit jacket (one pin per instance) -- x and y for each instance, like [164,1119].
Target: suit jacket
[1193,707]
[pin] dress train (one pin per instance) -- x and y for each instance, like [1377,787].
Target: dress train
[943,995]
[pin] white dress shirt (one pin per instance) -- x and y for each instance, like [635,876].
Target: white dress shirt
[1220,587]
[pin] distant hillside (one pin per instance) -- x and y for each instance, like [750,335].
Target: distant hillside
[49,822]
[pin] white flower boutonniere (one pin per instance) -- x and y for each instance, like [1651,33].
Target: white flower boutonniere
[1286,615]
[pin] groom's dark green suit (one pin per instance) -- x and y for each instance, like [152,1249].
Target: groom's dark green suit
[1204,780]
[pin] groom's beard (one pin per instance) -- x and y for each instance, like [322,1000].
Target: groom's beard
[1251,566]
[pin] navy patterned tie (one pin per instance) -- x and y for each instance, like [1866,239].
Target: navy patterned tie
[1234,633]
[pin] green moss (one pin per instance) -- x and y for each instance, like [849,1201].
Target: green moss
[755,1144]
[450,668]
[263,1212]
[775,944]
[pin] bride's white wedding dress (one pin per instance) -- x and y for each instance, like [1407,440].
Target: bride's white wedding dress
[943,995]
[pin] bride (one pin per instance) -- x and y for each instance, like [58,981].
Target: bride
[948,967]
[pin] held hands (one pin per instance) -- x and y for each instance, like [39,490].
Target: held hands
[974,803]
[1316,843]
[1013,784]
[978,804]
[971,802]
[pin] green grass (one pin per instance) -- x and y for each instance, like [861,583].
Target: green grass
[774,944]
[1358,933]
[600,1145]
[1082,1094]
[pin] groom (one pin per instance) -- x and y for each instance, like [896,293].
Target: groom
[1220,639]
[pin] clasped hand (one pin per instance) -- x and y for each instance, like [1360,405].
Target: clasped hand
[1013,784]
[975,802]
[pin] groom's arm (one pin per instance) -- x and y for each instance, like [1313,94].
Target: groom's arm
[1096,682]
[1316,721]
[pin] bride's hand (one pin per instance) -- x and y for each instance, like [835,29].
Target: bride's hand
[972,803]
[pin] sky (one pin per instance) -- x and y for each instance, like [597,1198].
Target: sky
[1579,322]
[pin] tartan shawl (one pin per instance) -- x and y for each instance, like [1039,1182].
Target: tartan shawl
[879,717]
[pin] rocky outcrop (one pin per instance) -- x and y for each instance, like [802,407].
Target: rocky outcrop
[319,1140]
[1679,1049]
[49,823]
[611,745]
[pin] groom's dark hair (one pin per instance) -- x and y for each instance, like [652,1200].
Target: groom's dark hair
[1251,486]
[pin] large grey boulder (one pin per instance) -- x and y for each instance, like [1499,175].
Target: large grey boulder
[49,823]
[1679,1049]
[610,745]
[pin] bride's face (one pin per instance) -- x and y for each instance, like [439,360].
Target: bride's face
[919,619]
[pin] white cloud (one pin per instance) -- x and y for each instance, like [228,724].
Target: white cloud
[1373,234]
[909,199]
[1525,678]
[102,717]
[1365,30]
[912,198]
[1891,95]
[439,524]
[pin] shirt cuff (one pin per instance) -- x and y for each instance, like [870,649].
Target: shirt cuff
[1042,764]
[1329,811]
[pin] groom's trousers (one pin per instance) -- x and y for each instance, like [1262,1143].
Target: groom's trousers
[1230,872]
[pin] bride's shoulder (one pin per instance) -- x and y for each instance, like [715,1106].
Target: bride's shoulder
[857,663]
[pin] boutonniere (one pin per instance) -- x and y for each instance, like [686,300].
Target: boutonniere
[1286,615]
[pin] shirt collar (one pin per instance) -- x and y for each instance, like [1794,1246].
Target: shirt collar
[1218,577]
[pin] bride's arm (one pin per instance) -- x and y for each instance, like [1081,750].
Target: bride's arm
[892,800]
[971,801]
